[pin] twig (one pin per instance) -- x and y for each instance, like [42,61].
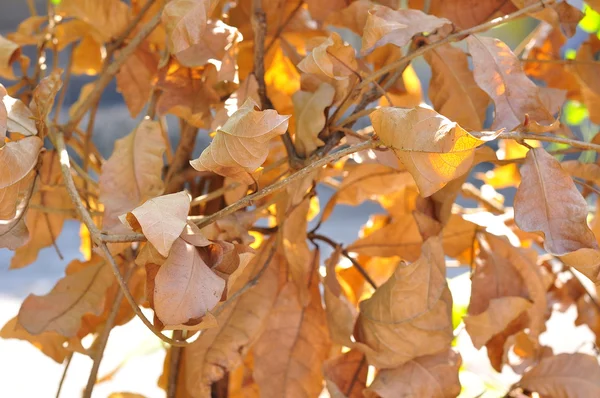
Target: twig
[560,61]
[519,136]
[102,339]
[66,81]
[281,27]
[116,43]
[96,235]
[182,156]
[471,191]
[110,72]
[64,374]
[345,253]
[456,37]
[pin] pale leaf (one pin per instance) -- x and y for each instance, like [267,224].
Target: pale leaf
[495,319]
[410,315]
[43,97]
[240,145]
[73,296]
[289,354]
[309,111]
[353,17]
[50,343]
[499,73]
[467,13]
[185,22]
[433,149]
[547,201]
[434,376]
[135,77]
[453,91]
[185,287]
[133,173]
[330,59]
[397,27]
[564,375]
[161,219]
[19,118]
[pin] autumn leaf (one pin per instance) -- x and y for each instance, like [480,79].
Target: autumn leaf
[73,296]
[346,375]
[453,91]
[185,23]
[293,346]
[309,111]
[428,376]
[410,315]
[499,73]
[541,205]
[239,147]
[50,343]
[161,219]
[17,160]
[432,148]
[15,116]
[185,287]
[135,78]
[467,13]
[495,319]
[239,325]
[87,57]
[564,375]
[133,172]
[397,27]
[107,19]
[43,98]
[9,53]
[353,17]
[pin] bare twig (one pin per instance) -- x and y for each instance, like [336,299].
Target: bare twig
[116,43]
[64,375]
[345,253]
[182,156]
[520,136]
[102,339]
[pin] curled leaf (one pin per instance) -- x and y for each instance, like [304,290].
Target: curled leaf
[309,110]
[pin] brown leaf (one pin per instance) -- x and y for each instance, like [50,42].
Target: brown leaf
[346,375]
[500,312]
[467,13]
[586,261]
[14,234]
[222,348]
[341,313]
[161,219]
[434,376]
[320,10]
[353,17]
[547,201]
[185,23]
[585,171]
[134,79]
[310,114]
[560,15]
[44,228]
[410,315]
[564,375]
[293,346]
[73,296]
[17,116]
[133,173]
[188,94]
[50,343]
[239,147]
[453,91]
[185,287]
[107,18]
[586,70]
[43,97]
[87,57]
[85,91]
[17,160]
[397,27]
[499,73]
[9,53]
[235,259]
[432,148]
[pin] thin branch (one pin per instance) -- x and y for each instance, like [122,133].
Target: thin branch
[560,61]
[181,159]
[110,72]
[282,27]
[66,81]
[456,37]
[64,375]
[96,235]
[115,44]
[345,253]
[519,136]
[102,339]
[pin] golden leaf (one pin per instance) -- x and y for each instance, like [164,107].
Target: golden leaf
[346,375]
[49,343]
[135,78]
[310,114]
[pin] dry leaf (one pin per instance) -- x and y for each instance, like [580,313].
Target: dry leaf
[586,261]
[239,147]
[161,219]
[9,53]
[43,98]
[15,116]
[185,23]
[434,376]
[398,27]
[134,79]
[73,296]
[353,17]
[293,346]
[564,375]
[107,18]
[453,91]
[310,113]
[185,287]
[410,315]
[50,343]
[133,173]
[87,57]
[432,148]
[346,375]
[547,201]
[498,72]
[467,13]
[239,325]
[499,314]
